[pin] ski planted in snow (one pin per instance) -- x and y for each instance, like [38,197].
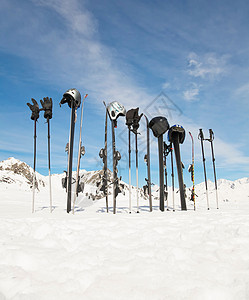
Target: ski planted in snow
[73,98]
[166,151]
[176,137]
[159,125]
[81,152]
[115,110]
[147,161]
[192,171]
[103,156]
[172,175]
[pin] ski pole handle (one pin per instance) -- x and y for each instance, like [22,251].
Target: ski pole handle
[211,134]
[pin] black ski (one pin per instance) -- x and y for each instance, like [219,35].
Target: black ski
[159,125]
[103,155]
[166,151]
[147,160]
[172,175]
[115,110]
[177,136]
[73,98]
[81,152]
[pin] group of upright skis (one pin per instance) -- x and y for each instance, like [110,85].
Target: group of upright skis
[158,125]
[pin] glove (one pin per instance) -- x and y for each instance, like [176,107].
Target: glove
[47,105]
[35,109]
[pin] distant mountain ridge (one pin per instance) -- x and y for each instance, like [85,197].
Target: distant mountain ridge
[15,173]
[18,173]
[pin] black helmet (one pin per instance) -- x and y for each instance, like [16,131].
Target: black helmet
[176,130]
[159,125]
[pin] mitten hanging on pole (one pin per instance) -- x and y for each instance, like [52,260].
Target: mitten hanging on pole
[47,105]
[34,116]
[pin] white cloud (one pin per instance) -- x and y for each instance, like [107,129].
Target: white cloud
[243,91]
[80,20]
[166,85]
[209,66]
[192,93]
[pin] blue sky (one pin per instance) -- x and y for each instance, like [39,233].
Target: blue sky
[196,52]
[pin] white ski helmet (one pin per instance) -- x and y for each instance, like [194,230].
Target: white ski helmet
[72,95]
[115,110]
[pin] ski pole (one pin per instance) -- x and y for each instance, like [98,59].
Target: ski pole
[211,133]
[34,116]
[47,105]
[49,169]
[132,121]
[34,179]
[201,137]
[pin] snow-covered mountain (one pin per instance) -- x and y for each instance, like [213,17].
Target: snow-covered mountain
[17,175]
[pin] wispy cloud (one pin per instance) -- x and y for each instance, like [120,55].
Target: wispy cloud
[80,20]
[166,85]
[208,66]
[242,91]
[192,93]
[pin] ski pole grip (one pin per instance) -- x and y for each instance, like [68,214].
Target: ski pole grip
[211,134]
[201,136]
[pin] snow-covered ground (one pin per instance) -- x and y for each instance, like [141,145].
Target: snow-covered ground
[94,255]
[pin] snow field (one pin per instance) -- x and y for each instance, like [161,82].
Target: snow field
[92,255]
[181,255]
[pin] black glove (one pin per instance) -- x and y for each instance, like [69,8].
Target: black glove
[47,105]
[35,109]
